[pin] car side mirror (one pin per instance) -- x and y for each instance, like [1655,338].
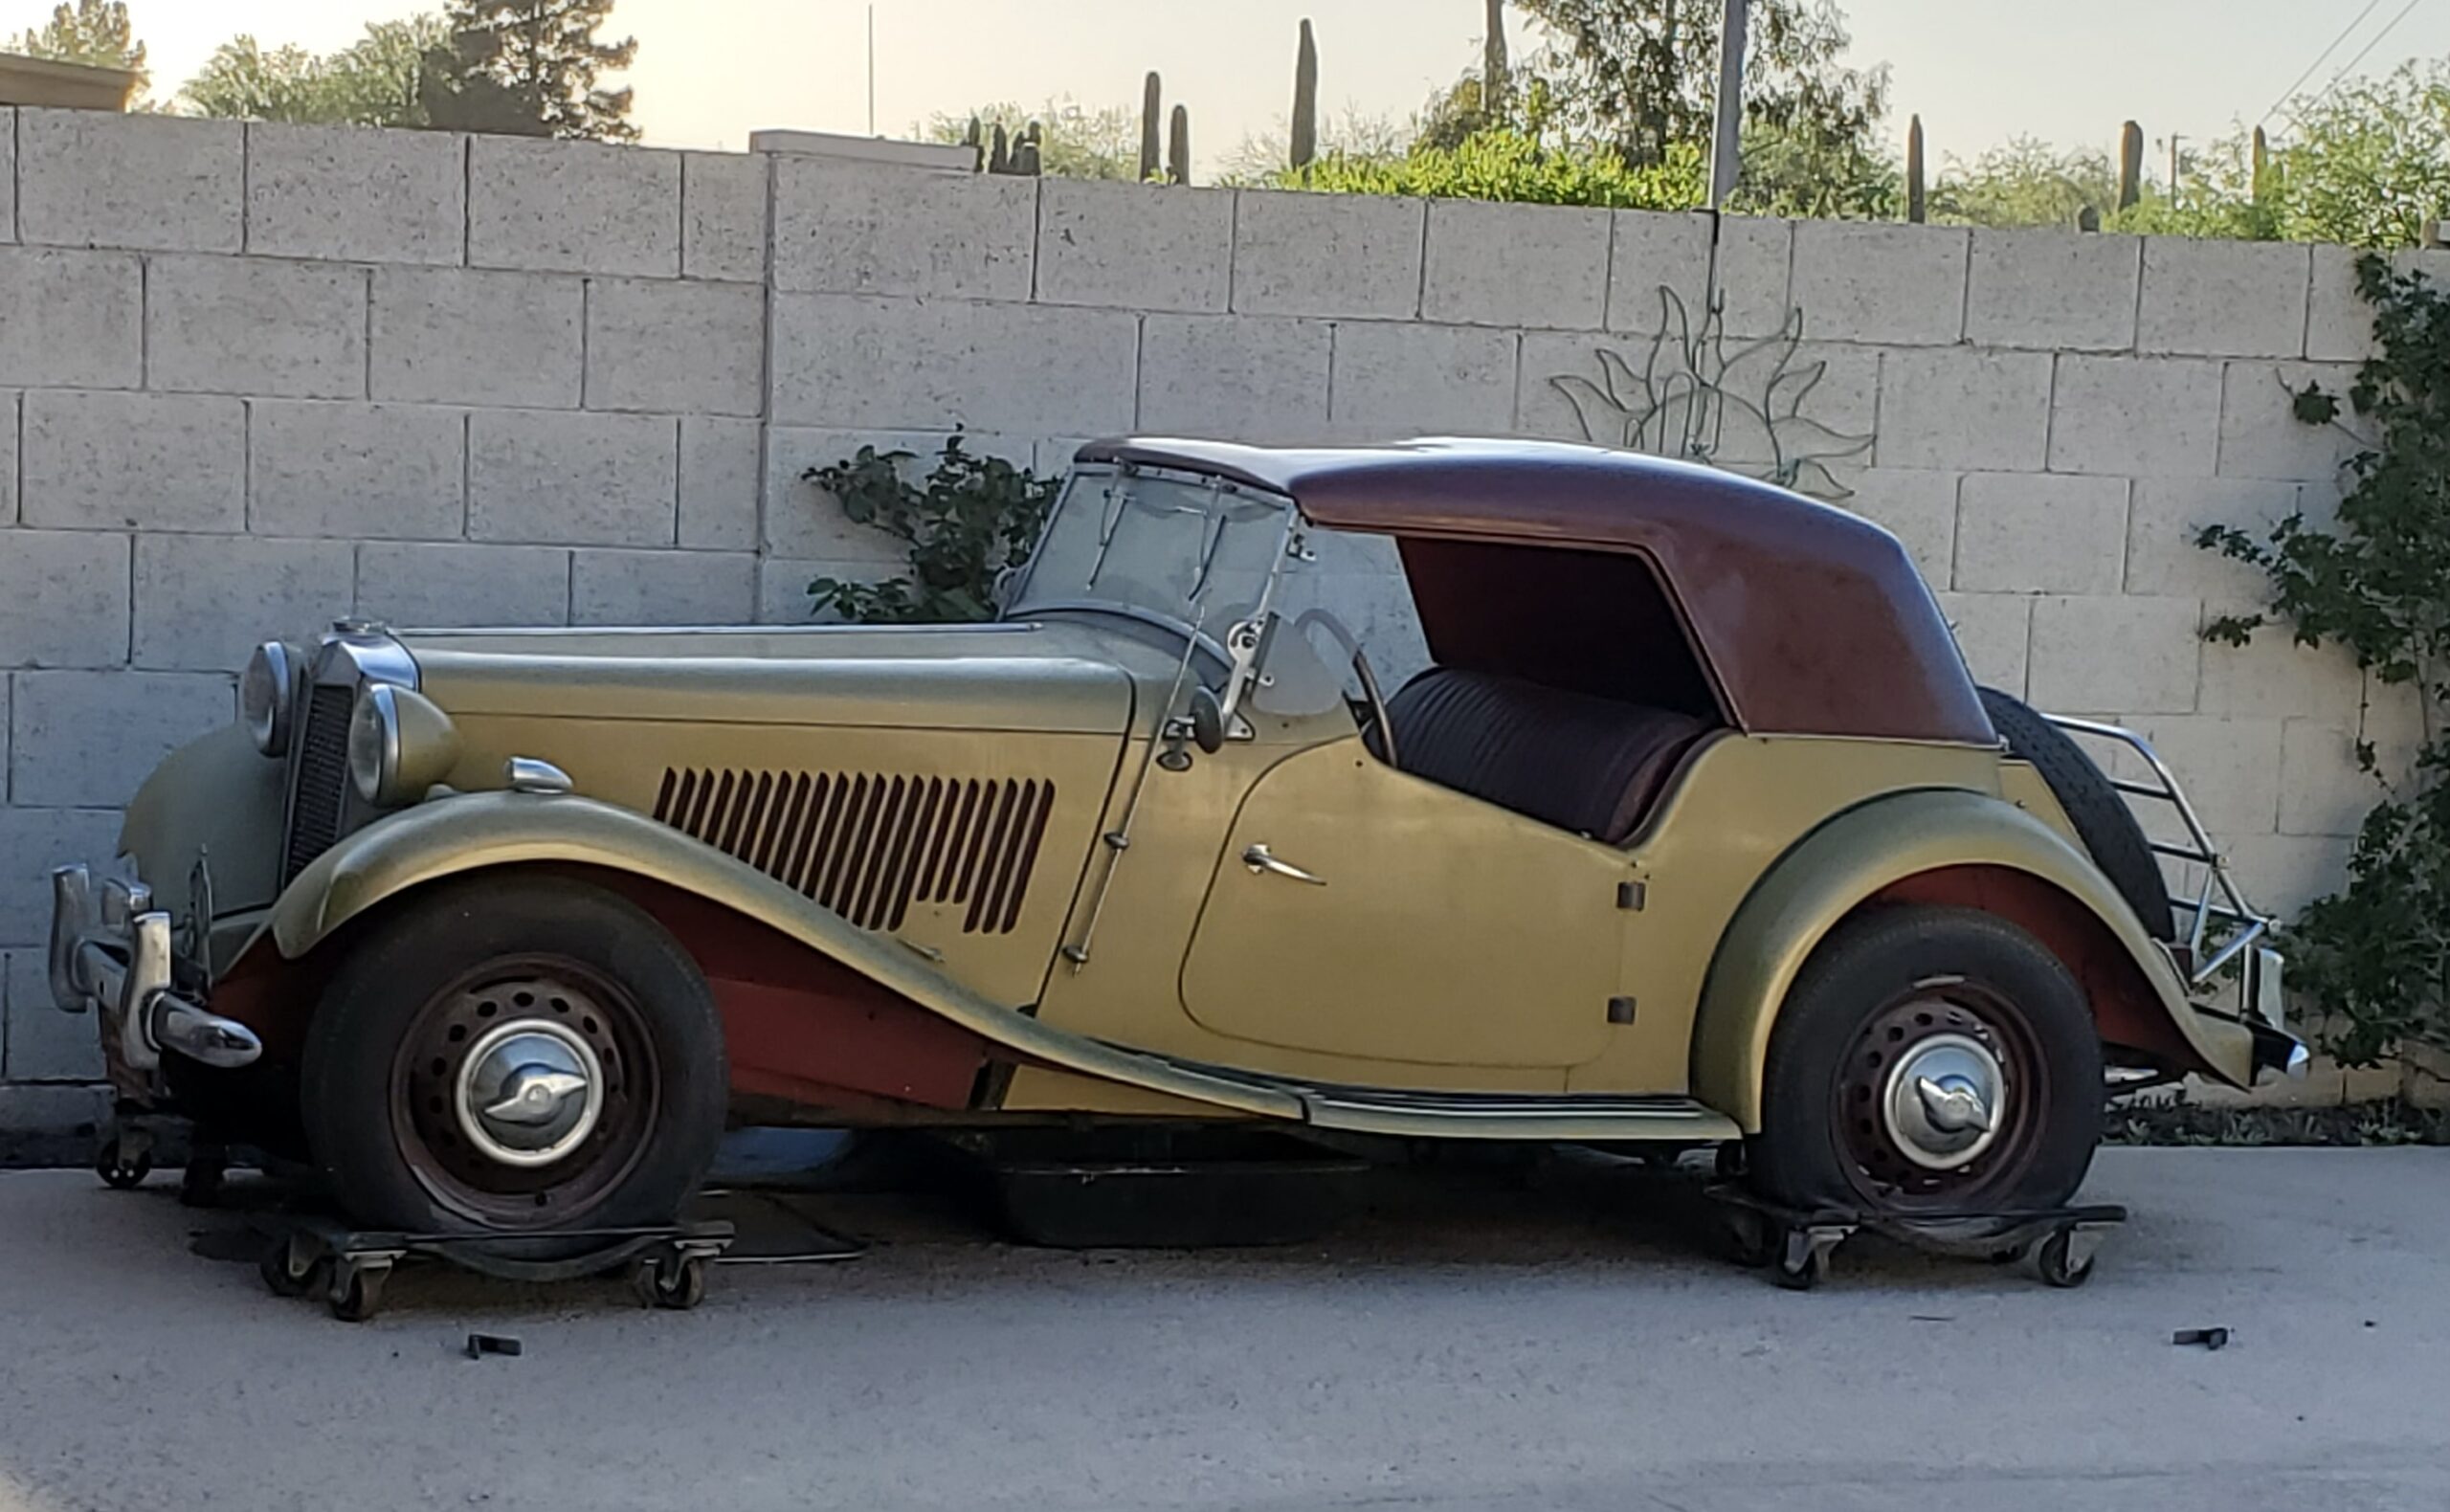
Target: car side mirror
[1207,719]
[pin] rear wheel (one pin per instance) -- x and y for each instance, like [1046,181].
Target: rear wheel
[1929,1061]
[515,1057]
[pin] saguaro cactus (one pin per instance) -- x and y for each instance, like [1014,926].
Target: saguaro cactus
[2130,165]
[1306,99]
[1914,198]
[2261,163]
[1493,68]
[1000,157]
[1152,105]
[1178,147]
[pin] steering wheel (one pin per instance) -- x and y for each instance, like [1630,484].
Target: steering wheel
[1369,710]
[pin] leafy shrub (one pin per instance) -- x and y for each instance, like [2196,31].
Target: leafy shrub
[971,518]
[1511,165]
[2378,954]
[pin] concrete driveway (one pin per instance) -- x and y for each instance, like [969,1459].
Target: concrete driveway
[1537,1349]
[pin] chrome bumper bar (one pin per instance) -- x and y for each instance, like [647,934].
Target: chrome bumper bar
[110,949]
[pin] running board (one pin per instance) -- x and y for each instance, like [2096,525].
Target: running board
[1482,1115]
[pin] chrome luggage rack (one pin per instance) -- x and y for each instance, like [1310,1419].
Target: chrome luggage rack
[2220,927]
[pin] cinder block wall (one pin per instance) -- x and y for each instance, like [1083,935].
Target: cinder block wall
[254,377]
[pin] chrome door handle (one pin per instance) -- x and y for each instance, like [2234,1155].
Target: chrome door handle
[1258,859]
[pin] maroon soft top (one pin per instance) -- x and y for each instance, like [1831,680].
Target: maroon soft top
[1814,621]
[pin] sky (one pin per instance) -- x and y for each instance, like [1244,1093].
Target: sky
[1978,72]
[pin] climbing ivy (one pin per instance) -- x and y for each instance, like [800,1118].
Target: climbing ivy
[971,518]
[2376,954]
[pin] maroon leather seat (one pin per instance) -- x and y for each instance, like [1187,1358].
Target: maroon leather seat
[1589,765]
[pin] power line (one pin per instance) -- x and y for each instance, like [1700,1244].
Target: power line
[2349,67]
[2299,84]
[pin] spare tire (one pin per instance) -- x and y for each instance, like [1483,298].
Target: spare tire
[2102,818]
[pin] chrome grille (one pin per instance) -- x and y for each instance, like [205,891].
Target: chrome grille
[868,845]
[319,784]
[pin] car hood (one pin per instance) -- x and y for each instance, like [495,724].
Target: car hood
[1015,676]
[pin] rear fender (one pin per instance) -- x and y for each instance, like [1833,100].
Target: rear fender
[1952,846]
[476,833]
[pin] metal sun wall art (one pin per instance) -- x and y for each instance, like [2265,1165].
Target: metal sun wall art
[1690,400]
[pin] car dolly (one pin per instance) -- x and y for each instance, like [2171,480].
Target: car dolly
[1799,1241]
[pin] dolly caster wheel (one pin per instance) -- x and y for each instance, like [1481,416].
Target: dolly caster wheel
[675,1283]
[1803,1256]
[124,1161]
[1801,1275]
[200,1182]
[357,1291]
[275,1267]
[1750,1241]
[2064,1259]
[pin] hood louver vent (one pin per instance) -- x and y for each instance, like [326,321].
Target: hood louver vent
[868,845]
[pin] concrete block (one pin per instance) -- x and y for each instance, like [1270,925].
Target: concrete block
[2230,769]
[2131,654]
[7,459]
[1235,377]
[804,521]
[2339,325]
[149,461]
[37,1041]
[663,587]
[7,175]
[719,474]
[469,337]
[88,178]
[1348,254]
[1993,630]
[63,598]
[573,206]
[245,326]
[32,841]
[2272,675]
[452,585]
[2223,298]
[1393,381]
[858,229]
[2323,789]
[1649,250]
[2261,435]
[1536,265]
[1134,245]
[87,740]
[2283,873]
[2055,289]
[353,195]
[1541,409]
[2041,533]
[204,603]
[593,479]
[692,348]
[71,320]
[361,471]
[1964,409]
[2162,522]
[1050,457]
[2146,417]
[1754,259]
[1919,508]
[1866,281]
[723,216]
[57,1110]
[899,364]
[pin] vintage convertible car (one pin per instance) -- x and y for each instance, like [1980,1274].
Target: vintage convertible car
[1693,829]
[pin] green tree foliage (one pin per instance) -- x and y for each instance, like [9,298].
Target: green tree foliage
[2377,581]
[528,68]
[372,84]
[1073,141]
[94,33]
[1511,166]
[2024,183]
[2369,163]
[964,523]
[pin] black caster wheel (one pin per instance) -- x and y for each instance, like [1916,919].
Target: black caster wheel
[1750,1241]
[201,1180]
[677,1284]
[274,1266]
[1800,1275]
[2056,1261]
[357,1291]
[1727,1160]
[122,1162]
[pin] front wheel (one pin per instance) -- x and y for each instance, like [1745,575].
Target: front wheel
[1929,1061]
[515,1057]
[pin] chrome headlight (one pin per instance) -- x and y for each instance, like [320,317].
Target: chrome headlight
[268,697]
[400,745]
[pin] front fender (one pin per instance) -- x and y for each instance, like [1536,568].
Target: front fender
[1850,860]
[477,832]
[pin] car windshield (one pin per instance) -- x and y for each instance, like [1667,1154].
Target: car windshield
[1188,551]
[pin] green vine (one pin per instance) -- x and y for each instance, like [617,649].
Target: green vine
[966,522]
[2377,955]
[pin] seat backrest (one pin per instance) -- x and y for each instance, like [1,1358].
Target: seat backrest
[1589,765]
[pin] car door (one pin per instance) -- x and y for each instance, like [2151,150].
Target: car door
[1359,911]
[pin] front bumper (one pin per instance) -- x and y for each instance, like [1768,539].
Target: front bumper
[110,952]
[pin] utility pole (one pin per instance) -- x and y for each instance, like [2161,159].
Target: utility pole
[872,71]
[2174,140]
[1724,155]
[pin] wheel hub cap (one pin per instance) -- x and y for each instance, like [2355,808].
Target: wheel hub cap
[529,1092]
[1945,1102]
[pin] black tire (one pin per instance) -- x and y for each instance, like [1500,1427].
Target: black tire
[2102,818]
[1878,987]
[383,1141]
